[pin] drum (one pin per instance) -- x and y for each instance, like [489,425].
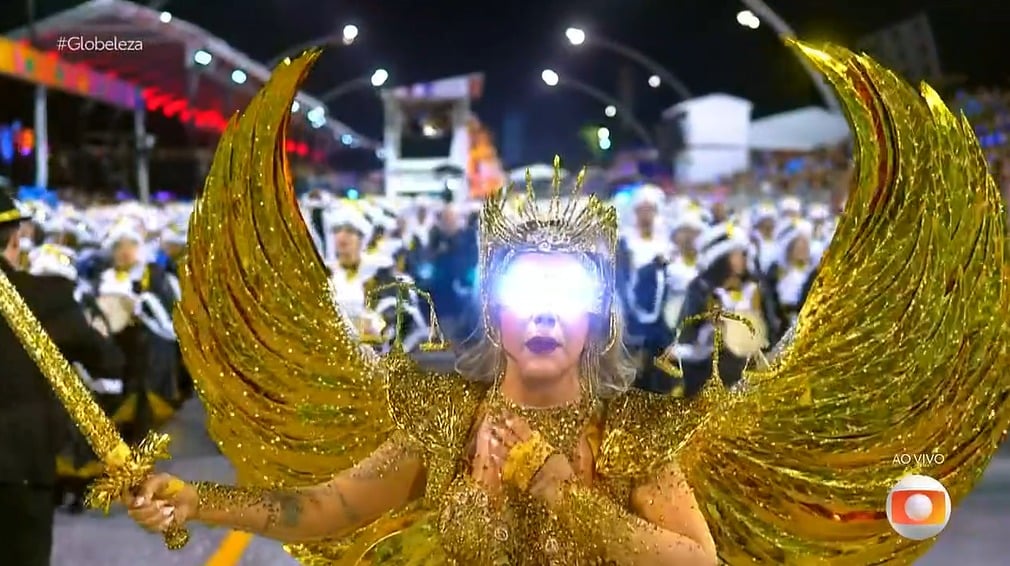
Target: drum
[739,339]
[118,311]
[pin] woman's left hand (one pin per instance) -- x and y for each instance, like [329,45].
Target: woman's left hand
[546,485]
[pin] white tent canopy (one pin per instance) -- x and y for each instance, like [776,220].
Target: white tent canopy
[803,129]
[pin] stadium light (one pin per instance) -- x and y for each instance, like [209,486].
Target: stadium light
[379,77]
[238,76]
[610,111]
[550,77]
[747,19]
[576,36]
[350,33]
[201,57]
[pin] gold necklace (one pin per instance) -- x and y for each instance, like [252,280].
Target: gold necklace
[561,425]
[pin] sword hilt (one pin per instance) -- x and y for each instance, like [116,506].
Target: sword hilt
[126,469]
[176,536]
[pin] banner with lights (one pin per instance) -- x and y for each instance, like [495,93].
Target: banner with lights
[28,64]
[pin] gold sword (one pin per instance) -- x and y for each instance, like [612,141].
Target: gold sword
[124,468]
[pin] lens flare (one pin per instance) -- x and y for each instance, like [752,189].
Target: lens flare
[529,289]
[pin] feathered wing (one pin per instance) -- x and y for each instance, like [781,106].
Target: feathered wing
[901,349]
[291,396]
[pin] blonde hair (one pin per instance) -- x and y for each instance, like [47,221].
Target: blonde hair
[611,372]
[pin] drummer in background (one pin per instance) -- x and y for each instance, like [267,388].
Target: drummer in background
[764,248]
[643,252]
[137,299]
[351,270]
[788,277]
[724,280]
[683,268]
[822,229]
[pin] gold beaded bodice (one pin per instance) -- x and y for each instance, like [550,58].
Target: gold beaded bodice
[513,527]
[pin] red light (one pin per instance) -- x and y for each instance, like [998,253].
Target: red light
[289,146]
[174,107]
[186,115]
[157,101]
[302,150]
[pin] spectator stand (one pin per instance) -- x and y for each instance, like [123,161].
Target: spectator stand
[176,68]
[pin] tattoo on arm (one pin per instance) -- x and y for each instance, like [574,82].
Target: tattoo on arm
[284,510]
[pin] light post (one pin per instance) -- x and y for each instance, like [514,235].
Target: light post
[552,79]
[346,36]
[376,80]
[577,37]
[758,11]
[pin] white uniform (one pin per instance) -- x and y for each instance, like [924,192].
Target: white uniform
[679,274]
[789,284]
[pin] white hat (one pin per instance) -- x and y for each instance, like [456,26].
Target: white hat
[347,216]
[790,205]
[51,259]
[689,219]
[788,233]
[818,212]
[718,241]
[647,194]
[124,230]
[764,211]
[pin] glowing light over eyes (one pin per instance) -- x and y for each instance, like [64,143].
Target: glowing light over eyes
[529,289]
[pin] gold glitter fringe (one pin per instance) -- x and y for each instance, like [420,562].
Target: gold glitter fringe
[900,349]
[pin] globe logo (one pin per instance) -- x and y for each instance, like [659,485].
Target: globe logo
[918,507]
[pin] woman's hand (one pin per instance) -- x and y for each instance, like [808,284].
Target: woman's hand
[161,502]
[556,470]
[489,460]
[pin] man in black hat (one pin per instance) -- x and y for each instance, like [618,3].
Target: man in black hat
[32,423]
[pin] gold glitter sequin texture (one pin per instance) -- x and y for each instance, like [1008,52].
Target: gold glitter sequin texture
[291,397]
[902,347]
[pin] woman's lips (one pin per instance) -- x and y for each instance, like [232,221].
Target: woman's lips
[541,345]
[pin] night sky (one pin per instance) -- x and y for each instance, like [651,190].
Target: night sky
[512,41]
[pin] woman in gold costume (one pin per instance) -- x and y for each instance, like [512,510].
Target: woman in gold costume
[536,452]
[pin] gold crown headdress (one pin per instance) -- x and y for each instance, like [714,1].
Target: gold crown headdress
[577,224]
[567,223]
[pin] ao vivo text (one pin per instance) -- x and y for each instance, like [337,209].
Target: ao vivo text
[918,459]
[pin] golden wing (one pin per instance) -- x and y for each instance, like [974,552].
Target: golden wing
[291,396]
[901,349]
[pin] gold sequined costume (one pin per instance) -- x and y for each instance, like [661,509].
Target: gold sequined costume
[900,349]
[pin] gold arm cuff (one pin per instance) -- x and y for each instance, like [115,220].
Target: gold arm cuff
[525,460]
